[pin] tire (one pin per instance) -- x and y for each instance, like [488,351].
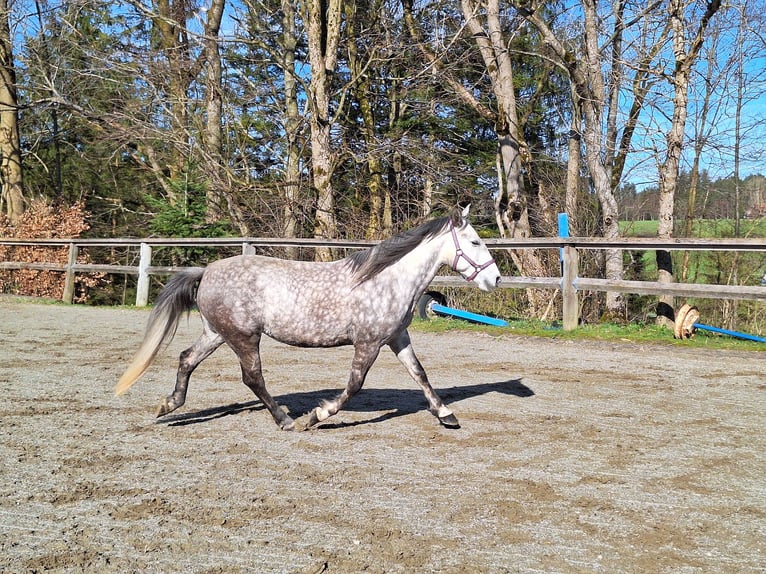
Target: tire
[423,307]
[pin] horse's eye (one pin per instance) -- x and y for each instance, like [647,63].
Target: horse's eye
[476,242]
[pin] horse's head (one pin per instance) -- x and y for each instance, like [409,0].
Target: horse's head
[471,257]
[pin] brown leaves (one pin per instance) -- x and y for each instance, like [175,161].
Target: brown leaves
[42,220]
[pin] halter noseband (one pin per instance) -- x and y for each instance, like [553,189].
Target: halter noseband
[459,253]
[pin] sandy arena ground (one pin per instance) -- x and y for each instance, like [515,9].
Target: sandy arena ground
[572,457]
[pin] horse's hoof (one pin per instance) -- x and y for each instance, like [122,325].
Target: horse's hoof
[302,423]
[307,421]
[449,421]
[288,425]
[310,419]
[165,408]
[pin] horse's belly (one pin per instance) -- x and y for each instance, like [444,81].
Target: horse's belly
[295,339]
[309,322]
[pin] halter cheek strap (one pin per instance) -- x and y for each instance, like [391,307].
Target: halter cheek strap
[460,254]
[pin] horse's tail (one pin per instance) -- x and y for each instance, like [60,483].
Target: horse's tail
[176,298]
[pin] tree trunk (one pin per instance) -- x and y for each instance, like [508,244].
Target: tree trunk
[323,26]
[292,125]
[362,89]
[574,162]
[497,60]
[592,95]
[169,24]
[220,202]
[668,176]
[10,147]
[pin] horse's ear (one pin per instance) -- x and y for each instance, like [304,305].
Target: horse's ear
[457,217]
[466,209]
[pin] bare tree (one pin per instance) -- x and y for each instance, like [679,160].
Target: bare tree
[323,27]
[708,116]
[221,203]
[292,123]
[173,73]
[360,16]
[259,21]
[589,93]
[185,58]
[10,147]
[483,22]
[685,59]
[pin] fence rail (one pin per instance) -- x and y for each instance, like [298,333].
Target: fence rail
[569,283]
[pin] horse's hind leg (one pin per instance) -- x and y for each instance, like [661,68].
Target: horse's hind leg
[252,376]
[208,342]
[364,357]
[402,348]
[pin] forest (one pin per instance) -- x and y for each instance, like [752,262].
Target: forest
[333,118]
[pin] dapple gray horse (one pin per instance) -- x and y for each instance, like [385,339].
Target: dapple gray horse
[365,300]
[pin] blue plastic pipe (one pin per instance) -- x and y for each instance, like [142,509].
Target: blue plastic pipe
[563,232]
[444,310]
[730,333]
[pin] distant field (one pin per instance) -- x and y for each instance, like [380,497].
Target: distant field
[702,228]
[716,267]
[706,267]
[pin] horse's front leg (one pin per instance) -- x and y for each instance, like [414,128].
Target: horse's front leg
[364,356]
[402,348]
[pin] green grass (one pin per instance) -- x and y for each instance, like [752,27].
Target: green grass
[709,228]
[610,332]
[638,228]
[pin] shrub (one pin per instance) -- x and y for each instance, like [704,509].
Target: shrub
[42,220]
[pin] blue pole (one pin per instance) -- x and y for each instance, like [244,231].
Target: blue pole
[563,232]
[444,310]
[731,333]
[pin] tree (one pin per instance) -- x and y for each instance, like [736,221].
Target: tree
[596,63]
[361,51]
[292,120]
[590,100]
[685,59]
[483,22]
[708,116]
[10,147]
[217,180]
[323,27]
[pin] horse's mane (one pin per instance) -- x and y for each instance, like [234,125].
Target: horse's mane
[368,263]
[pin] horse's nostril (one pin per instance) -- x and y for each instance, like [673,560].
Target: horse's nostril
[498,280]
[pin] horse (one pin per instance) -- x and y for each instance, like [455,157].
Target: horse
[365,300]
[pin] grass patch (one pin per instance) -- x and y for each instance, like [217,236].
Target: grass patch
[710,228]
[611,332]
[638,228]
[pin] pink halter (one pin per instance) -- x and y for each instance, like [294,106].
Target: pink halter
[459,253]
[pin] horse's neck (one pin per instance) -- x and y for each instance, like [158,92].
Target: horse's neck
[422,263]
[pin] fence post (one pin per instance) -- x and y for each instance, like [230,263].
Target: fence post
[571,310]
[142,288]
[248,249]
[569,263]
[68,295]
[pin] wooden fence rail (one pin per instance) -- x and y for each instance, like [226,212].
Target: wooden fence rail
[569,283]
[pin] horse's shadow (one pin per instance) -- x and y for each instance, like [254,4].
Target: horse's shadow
[396,402]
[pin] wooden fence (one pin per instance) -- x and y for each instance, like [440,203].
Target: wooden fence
[569,283]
